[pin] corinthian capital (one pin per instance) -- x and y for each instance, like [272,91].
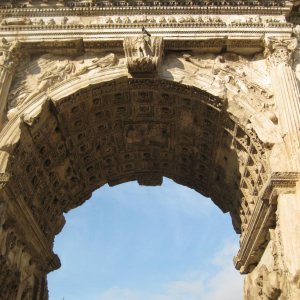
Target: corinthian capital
[9,53]
[280,50]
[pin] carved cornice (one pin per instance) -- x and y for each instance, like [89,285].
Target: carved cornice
[279,51]
[230,6]
[34,238]
[149,19]
[263,218]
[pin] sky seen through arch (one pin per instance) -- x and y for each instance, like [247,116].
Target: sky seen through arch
[146,243]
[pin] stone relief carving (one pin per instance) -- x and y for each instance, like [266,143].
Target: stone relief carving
[39,74]
[16,21]
[143,53]
[149,20]
[243,81]
[9,53]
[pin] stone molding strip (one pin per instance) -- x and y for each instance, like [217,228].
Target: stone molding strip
[19,10]
[263,219]
[77,46]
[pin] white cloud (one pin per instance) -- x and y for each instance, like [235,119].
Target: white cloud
[225,284]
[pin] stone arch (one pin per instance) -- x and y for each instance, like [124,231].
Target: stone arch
[62,146]
[235,71]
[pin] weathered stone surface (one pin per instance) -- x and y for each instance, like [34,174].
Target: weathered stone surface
[205,93]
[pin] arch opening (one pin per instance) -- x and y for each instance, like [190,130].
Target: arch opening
[134,242]
[119,131]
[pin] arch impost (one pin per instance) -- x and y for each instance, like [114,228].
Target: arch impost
[34,239]
[263,218]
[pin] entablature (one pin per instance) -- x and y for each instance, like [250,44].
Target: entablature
[114,24]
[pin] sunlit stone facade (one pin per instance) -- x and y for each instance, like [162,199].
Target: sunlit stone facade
[203,92]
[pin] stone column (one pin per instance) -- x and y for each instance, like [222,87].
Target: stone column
[9,57]
[279,54]
[288,224]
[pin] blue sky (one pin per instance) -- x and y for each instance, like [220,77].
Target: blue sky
[146,243]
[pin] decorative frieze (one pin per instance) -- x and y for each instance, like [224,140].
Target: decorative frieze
[129,21]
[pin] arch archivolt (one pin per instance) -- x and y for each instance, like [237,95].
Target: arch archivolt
[75,123]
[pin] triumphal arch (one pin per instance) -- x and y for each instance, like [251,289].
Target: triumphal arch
[205,92]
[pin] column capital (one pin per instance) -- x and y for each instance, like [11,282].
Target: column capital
[280,50]
[9,53]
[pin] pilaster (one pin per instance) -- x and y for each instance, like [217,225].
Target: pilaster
[9,58]
[279,53]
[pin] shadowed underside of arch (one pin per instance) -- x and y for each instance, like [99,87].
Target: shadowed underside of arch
[124,130]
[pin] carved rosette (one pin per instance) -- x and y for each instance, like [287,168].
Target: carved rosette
[280,51]
[143,53]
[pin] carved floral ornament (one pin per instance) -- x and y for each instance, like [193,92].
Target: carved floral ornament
[280,50]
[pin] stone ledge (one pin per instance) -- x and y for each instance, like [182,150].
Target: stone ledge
[263,218]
